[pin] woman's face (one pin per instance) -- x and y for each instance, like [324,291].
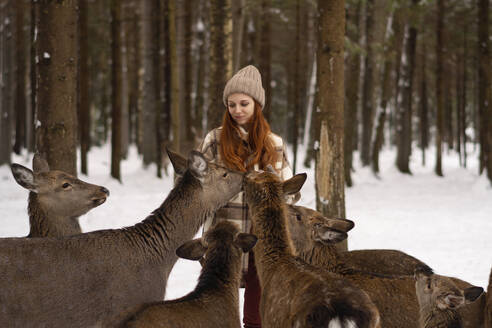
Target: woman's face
[241,107]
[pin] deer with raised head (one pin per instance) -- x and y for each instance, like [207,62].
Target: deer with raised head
[315,236]
[215,300]
[102,277]
[56,199]
[439,299]
[295,293]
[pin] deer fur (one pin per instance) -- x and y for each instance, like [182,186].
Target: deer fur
[314,238]
[99,278]
[56,199]
[488,308]
[439,298]
[215,300]
[294,293]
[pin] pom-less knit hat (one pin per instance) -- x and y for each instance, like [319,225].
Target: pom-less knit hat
[247,80]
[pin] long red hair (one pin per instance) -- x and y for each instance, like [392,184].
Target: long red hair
[235,153]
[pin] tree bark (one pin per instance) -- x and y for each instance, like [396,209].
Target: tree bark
[84,105]
[220,60]
[116,82]
[424,108]
[484,96]
[265,56]
[6,60]
[330,194]
[57,54]
[297,86]
[20,99]
[439,86]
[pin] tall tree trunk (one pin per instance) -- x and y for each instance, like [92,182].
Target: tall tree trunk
[464,97]
[6,60]
[131,45]
[439,86]
[84,104]
[265,55]
[57,52]
[116,82]
[484,96]
[32,76]
[149,49]
[352,88]
[188,132]
[156,59]
[201,71]
[297,86]
[167,79]
[220,60]
[330,194]
[238,17]
[20,99]
[368,91]
[424,108]
[175,119]
[405,107]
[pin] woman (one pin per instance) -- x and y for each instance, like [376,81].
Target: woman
[245,142]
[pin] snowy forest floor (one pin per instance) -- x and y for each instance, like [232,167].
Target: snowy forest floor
[445,222]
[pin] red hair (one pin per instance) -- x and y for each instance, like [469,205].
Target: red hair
[235,153]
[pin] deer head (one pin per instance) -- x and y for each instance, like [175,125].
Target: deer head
[438,291]
[59,193]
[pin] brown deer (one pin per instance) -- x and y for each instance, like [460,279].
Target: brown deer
[395,297]
[488,309]
[56,199]
[294,293]
[101,277]
[215,300]
[439,298]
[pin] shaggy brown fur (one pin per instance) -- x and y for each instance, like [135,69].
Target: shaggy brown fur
[99,278]
[439,298]
[394,296]
[56,199]
[294,293]
[215,300]
[488,309]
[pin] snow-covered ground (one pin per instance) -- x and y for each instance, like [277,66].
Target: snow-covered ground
[445,222]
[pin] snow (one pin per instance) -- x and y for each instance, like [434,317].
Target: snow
[445,222]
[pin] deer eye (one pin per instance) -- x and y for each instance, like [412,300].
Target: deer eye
[298,217]
[224,175]
[66,185]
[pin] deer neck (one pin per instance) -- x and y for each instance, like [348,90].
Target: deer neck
[432,317]
[174,222]
[269,225]
[44,223]
[323,256]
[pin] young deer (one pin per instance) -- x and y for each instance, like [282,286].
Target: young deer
[56,199]
[314,237]
[215,300]
[439,298]
[294,293]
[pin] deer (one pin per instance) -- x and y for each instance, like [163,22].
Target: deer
[56,199]
[295,293]
[315,236]
[488,307]
[102,277]
[215,300]
[439,298]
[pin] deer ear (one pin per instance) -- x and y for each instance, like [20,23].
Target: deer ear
[294,184]
[245,241]
[341,224]
[328,235]
[453,301]
[24,177]
[178,162]
[39,164]
[197,164]
[472,293]
[191,250]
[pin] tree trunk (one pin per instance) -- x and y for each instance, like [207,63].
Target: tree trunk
[84,105]
[200,72]
[439,86]
[20,99]
[166,70]
[57,52]
[6,61]
[220,60]
[175,119]
[149,49]
[187,123]
[265,56]
[484,96]
[330,182]
[116,82]
[297,86]
[238,13]
[424,108]
[405,107]
[352,90]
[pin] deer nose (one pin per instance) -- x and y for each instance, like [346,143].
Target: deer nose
[104,190]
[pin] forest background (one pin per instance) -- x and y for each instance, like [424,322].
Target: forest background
[341,78]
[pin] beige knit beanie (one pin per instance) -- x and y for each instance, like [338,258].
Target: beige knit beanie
[247,80]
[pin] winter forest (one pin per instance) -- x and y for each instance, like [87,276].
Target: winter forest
[386,104]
